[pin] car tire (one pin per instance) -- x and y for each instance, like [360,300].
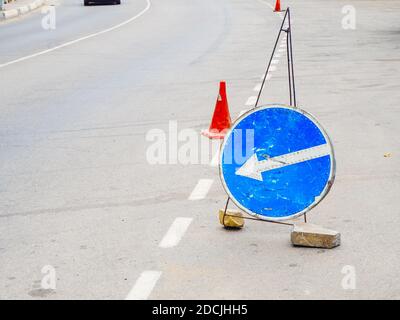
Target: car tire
[86,3]
[118,2]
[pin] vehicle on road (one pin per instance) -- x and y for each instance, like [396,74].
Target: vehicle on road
[89,2]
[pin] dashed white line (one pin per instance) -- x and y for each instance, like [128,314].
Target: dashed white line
[201,189]
[215,147]
[176,232]
[215,159]
[269,75]
[251,101]
[144,285]
[257,87]
[66,44]
[274,61]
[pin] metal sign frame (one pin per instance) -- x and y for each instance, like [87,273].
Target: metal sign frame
[290,63]
[293,105]
[317,200]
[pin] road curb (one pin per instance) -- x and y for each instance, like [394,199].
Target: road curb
[13,13]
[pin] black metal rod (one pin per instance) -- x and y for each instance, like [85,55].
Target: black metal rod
[226,208]
[288,65]
[269,63]
[248,218]
[291,70]
[292,94]
[291,58]
[260,220]
[226,205]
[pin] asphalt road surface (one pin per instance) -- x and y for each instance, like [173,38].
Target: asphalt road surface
[84,215]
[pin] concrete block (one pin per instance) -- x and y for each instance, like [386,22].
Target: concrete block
[312,235]
[232,219]
[23,9]
[7,14]
[39,3]
[33,6]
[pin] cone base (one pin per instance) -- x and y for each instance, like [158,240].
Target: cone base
[213,134]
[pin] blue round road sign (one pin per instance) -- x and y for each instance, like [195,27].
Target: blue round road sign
[276,162]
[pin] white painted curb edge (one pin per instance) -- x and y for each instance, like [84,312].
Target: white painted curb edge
[8,14]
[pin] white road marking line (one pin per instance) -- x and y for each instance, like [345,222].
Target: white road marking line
[251,101]
[269,75]
[201,189]
[66,44]
[282,50]
[275,61]
[144,285]
[283,45]
[257,87]
[176,232]
[215,149]
[277,55]
[215,160]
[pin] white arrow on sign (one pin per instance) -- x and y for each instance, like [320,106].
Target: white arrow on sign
[253,168]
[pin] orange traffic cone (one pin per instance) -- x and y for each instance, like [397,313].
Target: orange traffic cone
[278,6]
[221,120]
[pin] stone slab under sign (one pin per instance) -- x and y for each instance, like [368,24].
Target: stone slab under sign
[312,235]
[233,219]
